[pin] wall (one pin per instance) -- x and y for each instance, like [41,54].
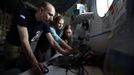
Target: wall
[120,52]
[100,41]
[5,20]
[117,43]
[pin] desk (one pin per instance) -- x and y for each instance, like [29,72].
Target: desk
[55,70]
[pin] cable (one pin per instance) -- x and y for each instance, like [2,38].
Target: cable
[66,71]
[85,71]
[81,70]
[68,68]
[73,71]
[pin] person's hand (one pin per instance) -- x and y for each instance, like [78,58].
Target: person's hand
[71,51]
[74,50]
[66,52]
[37,68]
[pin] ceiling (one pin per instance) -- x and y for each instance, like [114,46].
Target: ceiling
[11,5]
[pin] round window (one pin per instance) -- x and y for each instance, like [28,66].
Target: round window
[103,6]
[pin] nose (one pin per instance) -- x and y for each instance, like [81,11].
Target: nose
[51,18]
[61,25]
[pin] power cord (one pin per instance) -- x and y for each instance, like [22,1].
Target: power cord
[73,72]
[85,71]
[68,68]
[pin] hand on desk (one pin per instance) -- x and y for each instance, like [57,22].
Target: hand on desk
[38,68]
[68,52]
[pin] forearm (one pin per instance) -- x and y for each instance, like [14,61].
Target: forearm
[24,38]
[28,51]
[58,47]
[65,45]
[55,44]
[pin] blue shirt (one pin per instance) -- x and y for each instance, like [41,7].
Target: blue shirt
[55,35]
[43,43]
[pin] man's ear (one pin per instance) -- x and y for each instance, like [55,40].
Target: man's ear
[41,9]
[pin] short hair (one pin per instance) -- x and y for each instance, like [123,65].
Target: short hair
[44,4]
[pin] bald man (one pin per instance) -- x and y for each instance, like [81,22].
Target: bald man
[26,27]
[27,24]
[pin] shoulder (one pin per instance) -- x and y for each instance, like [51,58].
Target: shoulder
[23,15]
[52,29]
[24,12]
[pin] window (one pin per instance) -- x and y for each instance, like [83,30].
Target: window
[103,6]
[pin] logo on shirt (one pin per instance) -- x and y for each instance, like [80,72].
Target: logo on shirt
[22,16]
[36,37]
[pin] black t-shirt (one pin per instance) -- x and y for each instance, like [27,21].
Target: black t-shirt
[26,17]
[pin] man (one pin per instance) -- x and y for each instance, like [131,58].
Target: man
[25,28]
